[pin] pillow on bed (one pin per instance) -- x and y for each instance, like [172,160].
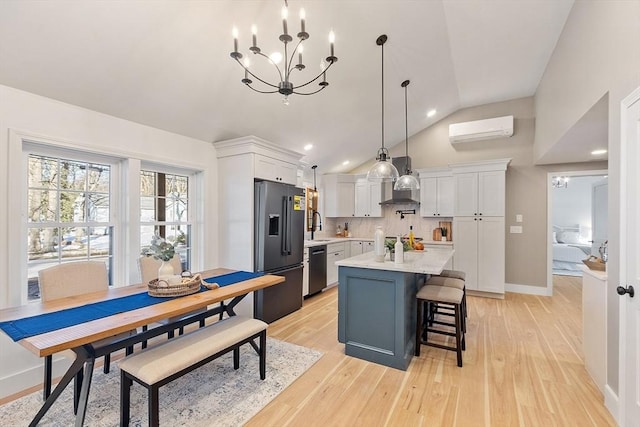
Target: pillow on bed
[572,237]
[555,237]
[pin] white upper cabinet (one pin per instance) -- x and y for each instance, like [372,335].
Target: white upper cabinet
[479,188]
[436,192]
[368,196]
[272,169]
[338,192]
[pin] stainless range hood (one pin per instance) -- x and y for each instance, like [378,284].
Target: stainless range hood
[404,196]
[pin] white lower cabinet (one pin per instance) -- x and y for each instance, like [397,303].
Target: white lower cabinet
[305,273]
[358,247]
[594,325]
[335,252]
[480,252]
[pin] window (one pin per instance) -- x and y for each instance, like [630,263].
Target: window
[69,214]
[164,211]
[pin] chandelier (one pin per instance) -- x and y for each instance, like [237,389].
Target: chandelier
[285,86]
[382,170]
[560,181]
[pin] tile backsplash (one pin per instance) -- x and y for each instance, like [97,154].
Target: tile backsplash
[390,222]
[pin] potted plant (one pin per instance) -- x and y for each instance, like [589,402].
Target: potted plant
[390,244]
[164,251]
[443,233]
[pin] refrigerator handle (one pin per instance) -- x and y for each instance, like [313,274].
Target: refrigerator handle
[285,215]
[289,223]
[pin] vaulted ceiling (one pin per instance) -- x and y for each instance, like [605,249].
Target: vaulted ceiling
[166,64]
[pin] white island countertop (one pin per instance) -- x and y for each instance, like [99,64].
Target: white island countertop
[428,261]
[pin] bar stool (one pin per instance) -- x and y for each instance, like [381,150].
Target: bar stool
[455,274]
[428,295]
[450,282]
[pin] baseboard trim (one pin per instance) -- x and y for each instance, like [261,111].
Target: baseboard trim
[527,289]
[612,403]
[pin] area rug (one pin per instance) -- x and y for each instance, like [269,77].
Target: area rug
[213,394]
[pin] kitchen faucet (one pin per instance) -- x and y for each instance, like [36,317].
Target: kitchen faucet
[313,223]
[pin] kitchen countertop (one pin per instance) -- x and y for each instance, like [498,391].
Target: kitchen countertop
[329,240]
[428,261]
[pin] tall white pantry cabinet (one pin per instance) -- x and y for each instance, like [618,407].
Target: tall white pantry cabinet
[479,224]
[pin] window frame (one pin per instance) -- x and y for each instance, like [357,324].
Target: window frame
[193,179]
[37,148]
[125,205]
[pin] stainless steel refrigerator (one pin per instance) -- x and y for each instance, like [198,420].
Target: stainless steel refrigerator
[279,246]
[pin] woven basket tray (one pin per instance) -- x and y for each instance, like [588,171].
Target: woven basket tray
[162,288]
[594,263]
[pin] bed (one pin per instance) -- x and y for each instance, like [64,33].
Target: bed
[568,250]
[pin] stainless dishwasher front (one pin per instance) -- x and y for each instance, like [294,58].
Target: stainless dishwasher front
[317,268]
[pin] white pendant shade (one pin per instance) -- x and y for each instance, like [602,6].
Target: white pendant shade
[383,171]
[407,182]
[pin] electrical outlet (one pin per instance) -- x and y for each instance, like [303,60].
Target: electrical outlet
[515,229]
[518,218]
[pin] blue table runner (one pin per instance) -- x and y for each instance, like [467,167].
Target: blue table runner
[29,326]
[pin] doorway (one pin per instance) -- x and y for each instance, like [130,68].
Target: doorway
[576,218]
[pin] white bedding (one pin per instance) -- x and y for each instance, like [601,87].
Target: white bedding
[568,252]
[568,257]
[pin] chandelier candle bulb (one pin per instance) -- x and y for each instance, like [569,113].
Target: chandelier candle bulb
[235,39]
[254,35]
[285,14]
[332,39]
[302,16]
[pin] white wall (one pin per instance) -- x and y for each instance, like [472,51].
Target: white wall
[596,54]
[85,130]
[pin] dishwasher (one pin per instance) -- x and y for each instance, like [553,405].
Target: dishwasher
[317,268]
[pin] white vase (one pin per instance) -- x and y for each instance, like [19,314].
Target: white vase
[378,244]
[165,271]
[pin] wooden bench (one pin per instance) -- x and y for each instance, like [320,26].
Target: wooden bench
[161,364]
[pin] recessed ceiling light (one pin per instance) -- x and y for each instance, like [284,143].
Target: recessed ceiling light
[598,152]
[431,113]
[308,147]
[345,163]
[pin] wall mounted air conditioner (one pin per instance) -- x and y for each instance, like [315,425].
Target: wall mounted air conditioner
[481,129]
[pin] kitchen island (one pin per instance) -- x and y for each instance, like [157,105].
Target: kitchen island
[377,304]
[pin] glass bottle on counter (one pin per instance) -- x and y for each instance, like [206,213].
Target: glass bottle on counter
[378,244]
[399,249]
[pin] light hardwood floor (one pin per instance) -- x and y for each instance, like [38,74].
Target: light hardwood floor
[523,366]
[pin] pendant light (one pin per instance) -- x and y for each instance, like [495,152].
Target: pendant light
[406,181]
[383,170]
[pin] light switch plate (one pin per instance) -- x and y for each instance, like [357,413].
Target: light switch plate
[518,218]
[515,229]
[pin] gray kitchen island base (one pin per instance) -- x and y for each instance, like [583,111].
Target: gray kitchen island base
[377,314]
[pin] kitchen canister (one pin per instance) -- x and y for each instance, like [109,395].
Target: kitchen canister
[378,244]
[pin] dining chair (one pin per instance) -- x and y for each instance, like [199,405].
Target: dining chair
[149,271]
[72,279]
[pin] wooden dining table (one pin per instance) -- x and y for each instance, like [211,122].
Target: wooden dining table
[81,337]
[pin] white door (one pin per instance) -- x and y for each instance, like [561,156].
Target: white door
[362,199]
[629,256]
[491,253]
[428,197]
[491,193]
[465,258]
